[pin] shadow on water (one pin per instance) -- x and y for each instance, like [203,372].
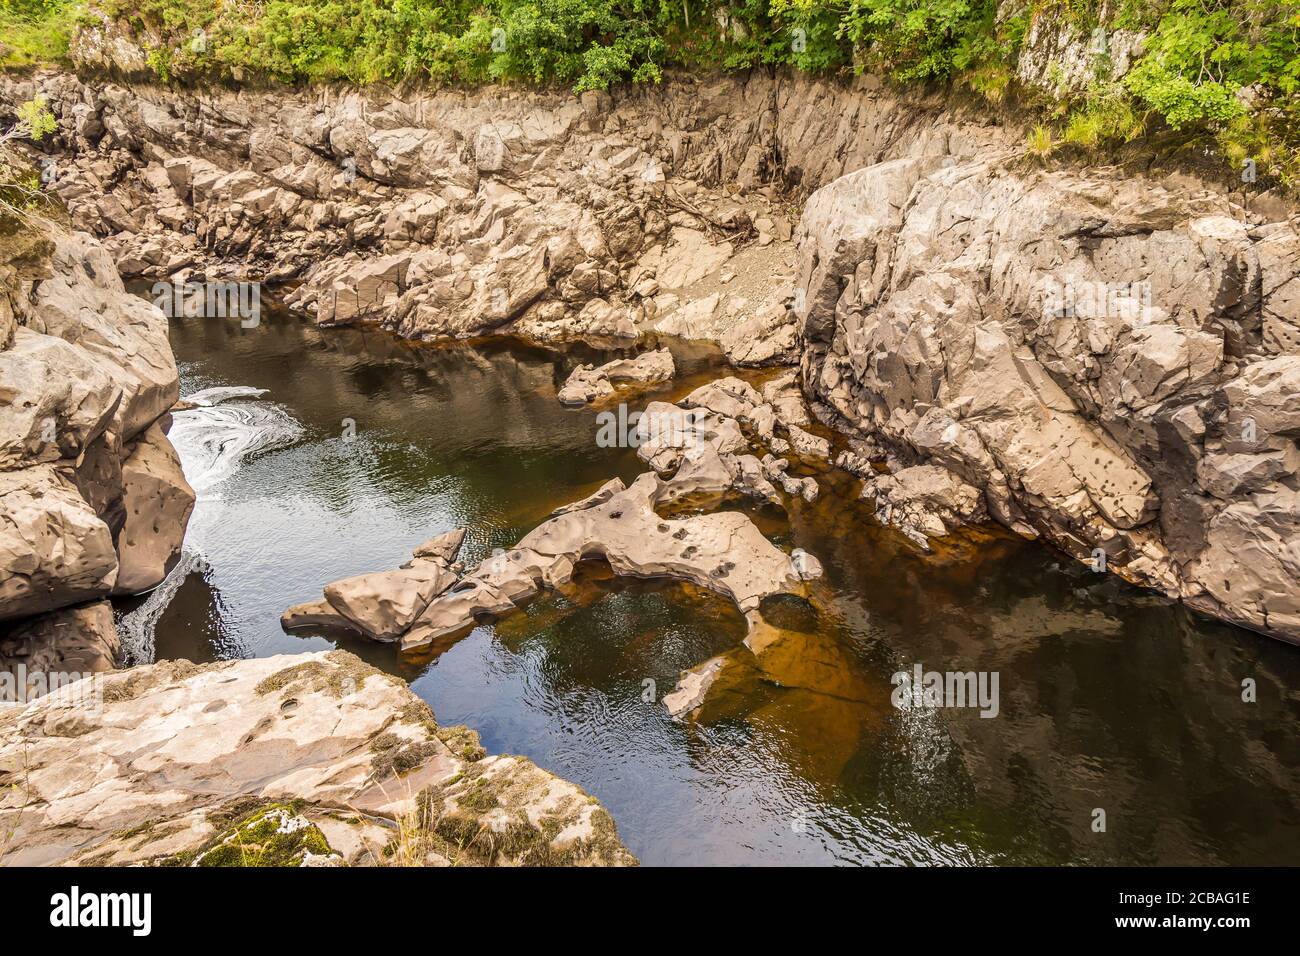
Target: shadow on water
[1109,697]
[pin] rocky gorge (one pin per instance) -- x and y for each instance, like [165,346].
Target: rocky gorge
[1104,361]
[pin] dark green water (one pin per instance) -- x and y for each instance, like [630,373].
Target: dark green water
[1109,697]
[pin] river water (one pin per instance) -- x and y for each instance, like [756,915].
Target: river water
[327,453]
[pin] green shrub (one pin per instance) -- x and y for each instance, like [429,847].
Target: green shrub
[1222,72]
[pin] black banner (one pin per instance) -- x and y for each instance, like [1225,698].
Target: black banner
[143,905]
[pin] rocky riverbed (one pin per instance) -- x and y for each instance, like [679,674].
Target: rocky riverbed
[1107,361]
[1104,362]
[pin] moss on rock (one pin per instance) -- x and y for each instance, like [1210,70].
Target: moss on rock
[274,835]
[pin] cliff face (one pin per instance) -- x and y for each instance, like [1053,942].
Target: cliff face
[94,501]
[1108,361]
[1114,363]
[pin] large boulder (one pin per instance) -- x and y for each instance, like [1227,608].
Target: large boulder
[158,501]
[54,400]
[382,605]
[84,303]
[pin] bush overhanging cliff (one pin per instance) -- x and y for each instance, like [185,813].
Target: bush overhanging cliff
[1220,72]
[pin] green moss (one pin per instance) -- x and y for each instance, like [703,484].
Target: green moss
[273,835]
[139,682]
[344,674]
[463,742]
[396,755]
[481,818]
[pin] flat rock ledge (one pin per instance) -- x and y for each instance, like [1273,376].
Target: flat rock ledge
[304,760]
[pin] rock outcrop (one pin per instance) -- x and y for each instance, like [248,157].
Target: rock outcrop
[94,500]
[1108,359]
[703,442]
[440,215]
[308,760]
[1113,364]
[590,383]
[45,652]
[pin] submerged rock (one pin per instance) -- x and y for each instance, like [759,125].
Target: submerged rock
[299,761]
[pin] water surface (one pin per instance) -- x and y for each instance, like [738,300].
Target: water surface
[1110,697]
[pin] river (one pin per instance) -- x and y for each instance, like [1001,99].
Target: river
[327,453]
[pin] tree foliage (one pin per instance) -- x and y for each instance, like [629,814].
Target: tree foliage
[1225,70]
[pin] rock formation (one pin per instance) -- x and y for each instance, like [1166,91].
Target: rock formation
[1107,359]
[589,383]
[1114,365]
[93,495]
[724,552]
[701,441]
[438,215]
[308,760]
[924,502]
[383,605]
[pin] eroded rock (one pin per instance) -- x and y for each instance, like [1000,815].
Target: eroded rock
[588,383]
[924,502]
[382,605]
[158,502]
[179,758]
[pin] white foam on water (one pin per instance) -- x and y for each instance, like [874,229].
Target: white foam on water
[213,440]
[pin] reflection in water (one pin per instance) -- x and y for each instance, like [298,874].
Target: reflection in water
[1110,697]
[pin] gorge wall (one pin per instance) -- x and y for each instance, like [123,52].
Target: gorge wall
[1109,361]
[94,500]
